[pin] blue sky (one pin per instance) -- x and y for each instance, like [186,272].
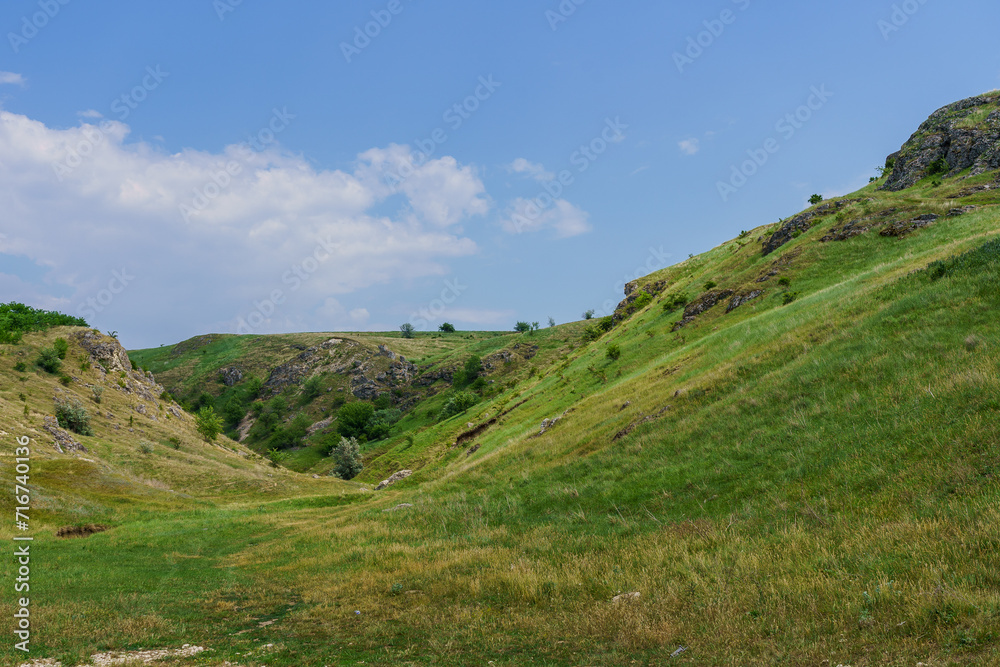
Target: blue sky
[172,169]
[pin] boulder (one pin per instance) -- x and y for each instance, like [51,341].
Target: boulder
[395,477]
[230,375]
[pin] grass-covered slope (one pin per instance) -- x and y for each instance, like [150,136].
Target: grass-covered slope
[809,478]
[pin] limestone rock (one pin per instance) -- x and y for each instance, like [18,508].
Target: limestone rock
[230,375]
[395,477]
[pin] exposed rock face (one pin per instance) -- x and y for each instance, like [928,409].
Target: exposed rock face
[64,442]
[701,304]
[291,373]
[859,226]
[965,134]
[104,350]
[230,376]
[801,223]
[741,299]
[632,293]
[395,477]
[904,227]
[364,388]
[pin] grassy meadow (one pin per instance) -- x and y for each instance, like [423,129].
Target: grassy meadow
[810,479]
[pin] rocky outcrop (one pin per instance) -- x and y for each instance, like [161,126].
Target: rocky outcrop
[395,477]
[104,350]
[230,375]
[742,299]
[64,442]
[801,223]
[965,135]
[904,227]
[703,303]
[633,292]
[859,226]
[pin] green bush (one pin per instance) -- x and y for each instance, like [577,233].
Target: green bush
[17,319]
[347,455]
[73,416]
[606,324]
[789,297]
[710,285]
[614,352]
[591,334]
[458,403]
[447,327]
[643,300]
[49,361]
[815,199]
[522,327]
[469,373]
[20,367]
[353,418]
[589,315]
[66,380]
[209,424]
[311,390]
[61,346]
[290,436]
[784,281]
[938,167]
[383,402]
[674,301]
[407,330]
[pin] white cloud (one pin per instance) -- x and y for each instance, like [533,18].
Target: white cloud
[690,146]
[565,219]
[277,224]
[530,169]
[11,78]
[90,113]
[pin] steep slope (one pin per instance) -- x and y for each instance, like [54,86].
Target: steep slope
[782,451]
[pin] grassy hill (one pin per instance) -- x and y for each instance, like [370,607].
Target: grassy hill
[808,478]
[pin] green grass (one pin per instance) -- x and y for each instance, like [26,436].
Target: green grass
[793,484]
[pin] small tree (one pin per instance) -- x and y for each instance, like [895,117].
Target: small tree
[447,327]
[208,423]
[552,322]
[407,330]
[522,327]
[348,457]
[589,315]
[61,346]
[815,199]
[535,326]
[49,361]
[73,416]
[614,352]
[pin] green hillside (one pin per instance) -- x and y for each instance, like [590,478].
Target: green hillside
[781,451]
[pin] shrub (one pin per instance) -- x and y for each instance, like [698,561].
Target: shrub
[61,346]
[291,435]
[73,416]
[49,361]
[552,322]
[641,301]
[208,423]
[65,380]
[784,281]
[311,389]
[276,456]
[20,367]
[458,404]
[788,297]
[938,166]
[353,418]
[407,330]
[589,315]
[522,327]
[674,301]
[17,318]
[614,352]
[174,441]
[145,446]
[383,402]
[815,199]
[710,285]
[447,327]
[591,334]
[606,324]
[347,455]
